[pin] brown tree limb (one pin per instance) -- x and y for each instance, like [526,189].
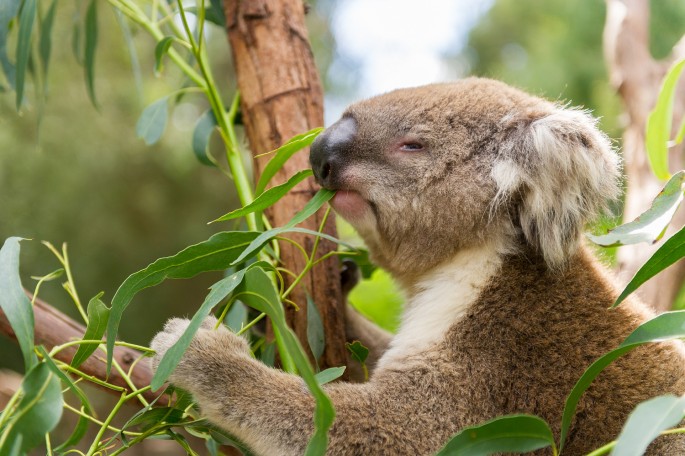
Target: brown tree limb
[281,96]
[53,328]
[637,76]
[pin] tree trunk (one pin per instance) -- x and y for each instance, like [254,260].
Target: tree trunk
[637,78]
[281,96]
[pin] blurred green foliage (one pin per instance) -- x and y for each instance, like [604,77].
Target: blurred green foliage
[71,173]
[554,49]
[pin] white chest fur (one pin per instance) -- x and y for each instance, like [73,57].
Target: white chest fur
[441,299]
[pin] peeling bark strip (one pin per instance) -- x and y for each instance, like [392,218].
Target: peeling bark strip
[54,328]
[281,96]
[637,78]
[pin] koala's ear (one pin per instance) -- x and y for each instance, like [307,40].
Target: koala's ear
[561,171]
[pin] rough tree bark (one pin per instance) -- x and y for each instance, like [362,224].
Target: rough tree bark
[54,328]
[637,76]
[281,96]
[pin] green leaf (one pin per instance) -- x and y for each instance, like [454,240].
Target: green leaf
[236,316]
[681,133]
[27,17]
[82,425]
[315,334]
[672,250]
[14,302]
[152,121]
[98,315]
[127,34]
[667,326]
[154,416]
[46,38]
[214,254]
[652,224]
[646,422]
[202,133]
[330,374]
[214,13]
[659,123]
[309,209]
[37,413]
[218,292]
[358,351]
[162,48]
[267,198]
[8,10]
[264,298]
[282,154]
[508,434]
[91,32]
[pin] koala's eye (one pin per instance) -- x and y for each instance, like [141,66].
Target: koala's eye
[411,146]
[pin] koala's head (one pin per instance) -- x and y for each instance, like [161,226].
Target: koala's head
[424,172]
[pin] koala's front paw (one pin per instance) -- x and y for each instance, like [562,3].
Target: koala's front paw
[210,353]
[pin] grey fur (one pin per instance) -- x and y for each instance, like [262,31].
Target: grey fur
[505,309]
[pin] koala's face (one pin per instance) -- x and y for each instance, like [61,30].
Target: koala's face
[418,171]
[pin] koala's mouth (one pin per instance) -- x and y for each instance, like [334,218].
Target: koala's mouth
[351,205]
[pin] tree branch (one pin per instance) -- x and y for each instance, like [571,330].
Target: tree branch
[53,328]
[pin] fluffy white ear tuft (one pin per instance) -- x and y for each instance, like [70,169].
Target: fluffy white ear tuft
[561,170]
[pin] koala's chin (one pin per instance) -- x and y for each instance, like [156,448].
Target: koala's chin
[474,195]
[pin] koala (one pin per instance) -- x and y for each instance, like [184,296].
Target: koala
[474,196]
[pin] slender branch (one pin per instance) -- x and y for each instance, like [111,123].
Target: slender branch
[53,328]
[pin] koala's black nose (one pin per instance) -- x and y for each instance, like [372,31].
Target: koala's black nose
[328,151]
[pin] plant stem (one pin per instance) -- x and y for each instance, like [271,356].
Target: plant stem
[98,422]
[603,449]
[122,400]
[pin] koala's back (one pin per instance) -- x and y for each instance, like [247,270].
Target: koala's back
[522,347]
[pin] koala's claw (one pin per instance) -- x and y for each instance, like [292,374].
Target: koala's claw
[209,346]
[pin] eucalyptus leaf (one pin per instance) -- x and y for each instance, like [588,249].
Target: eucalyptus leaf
[358,351]
[214,254]
[315,333]
[508,434]
[264,297]
[46,38]
[218,292]
[268,198]
[214,13]
[681,133]
[161,49]
[309,209]
[646,422]
[672,250]
[38,411]
[330,374]
[667,326]
[14,302]
[659,122]
[98,315]
[282,154]
[8,10]
[152,121]
[82,425]
[651,225]
[27,17]
[236,316]
[202,133]
[91,41]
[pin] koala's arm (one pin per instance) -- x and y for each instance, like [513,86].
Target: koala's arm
[269,410]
